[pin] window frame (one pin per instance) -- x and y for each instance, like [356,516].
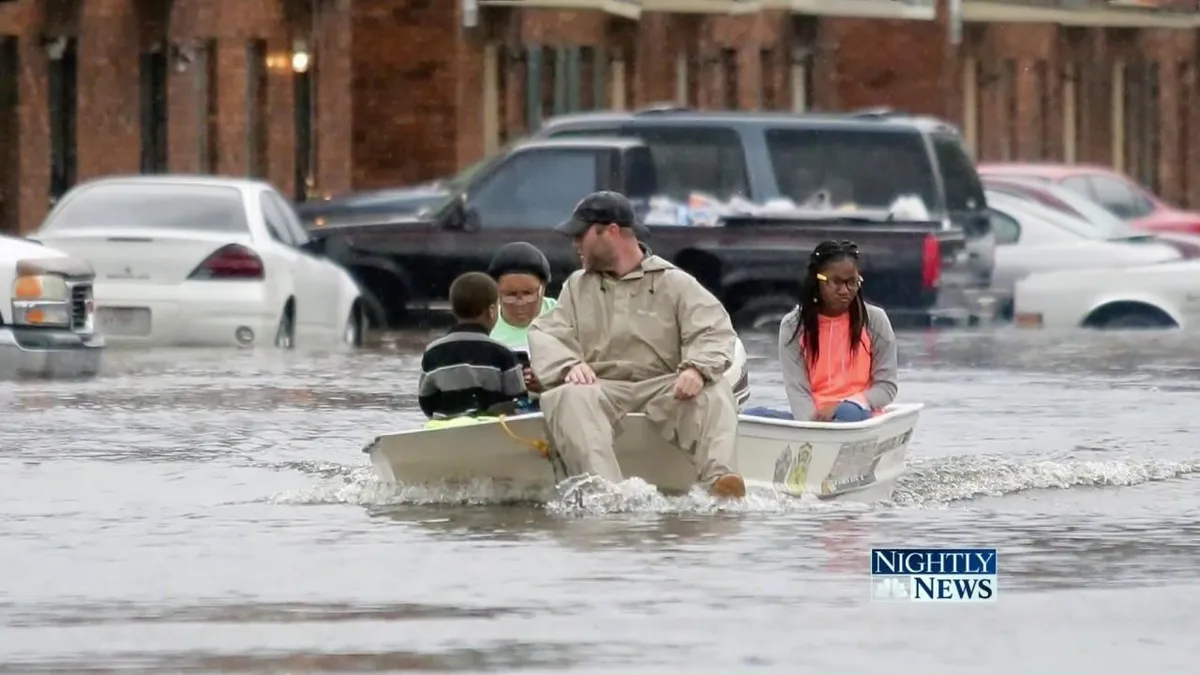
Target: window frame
[705,131]
[932,193]
[72,197]
[291,223]
[946,174]
[993,212]
[1137,201]
[279,234]
[485,182]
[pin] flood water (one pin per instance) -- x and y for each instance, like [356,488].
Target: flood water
[213,512]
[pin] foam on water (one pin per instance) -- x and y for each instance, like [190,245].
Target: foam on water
[928,483]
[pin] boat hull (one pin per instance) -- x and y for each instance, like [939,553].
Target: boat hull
[858,461]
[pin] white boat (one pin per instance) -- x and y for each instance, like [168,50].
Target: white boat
[858,461]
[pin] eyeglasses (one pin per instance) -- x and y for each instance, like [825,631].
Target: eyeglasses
[520,298]
[849,284]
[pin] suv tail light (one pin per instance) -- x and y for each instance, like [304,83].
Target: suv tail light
[230,262]
[931,262]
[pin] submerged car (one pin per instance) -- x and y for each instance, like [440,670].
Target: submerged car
[201,261]
[1114,191]
[47,326]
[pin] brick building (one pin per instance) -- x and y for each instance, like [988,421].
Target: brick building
[324,96]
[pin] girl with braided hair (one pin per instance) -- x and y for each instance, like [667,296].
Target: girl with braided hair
[838,354]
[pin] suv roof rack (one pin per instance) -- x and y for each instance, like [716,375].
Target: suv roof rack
[659,108]
[882,111]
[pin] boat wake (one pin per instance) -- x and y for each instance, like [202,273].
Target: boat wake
[936,482]
[927,483]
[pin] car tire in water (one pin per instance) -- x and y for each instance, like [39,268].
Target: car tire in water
[764,313]
[285,335]
[352,334]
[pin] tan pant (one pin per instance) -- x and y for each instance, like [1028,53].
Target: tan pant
[582,420]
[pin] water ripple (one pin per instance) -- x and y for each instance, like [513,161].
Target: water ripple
[205,511]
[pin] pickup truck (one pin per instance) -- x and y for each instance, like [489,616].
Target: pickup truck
[47,324]
[752,263]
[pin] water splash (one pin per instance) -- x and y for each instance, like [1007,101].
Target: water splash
[574,497]
[928,483]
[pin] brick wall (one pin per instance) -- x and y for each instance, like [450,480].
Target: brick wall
[398,85]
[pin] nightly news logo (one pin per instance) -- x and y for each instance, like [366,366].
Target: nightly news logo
[946,575]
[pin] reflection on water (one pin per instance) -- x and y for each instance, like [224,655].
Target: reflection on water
[199,511]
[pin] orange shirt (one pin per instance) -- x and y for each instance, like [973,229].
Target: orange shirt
[837,374]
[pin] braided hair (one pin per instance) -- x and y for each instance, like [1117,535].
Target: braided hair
[809,301]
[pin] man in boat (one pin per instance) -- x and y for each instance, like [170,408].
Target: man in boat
[634,333]
[466,372]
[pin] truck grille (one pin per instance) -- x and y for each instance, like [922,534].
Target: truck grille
[81,302]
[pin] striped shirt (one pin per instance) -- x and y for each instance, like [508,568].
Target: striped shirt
[466,372]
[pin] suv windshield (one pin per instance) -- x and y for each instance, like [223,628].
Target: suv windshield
[868,169]
[211,208]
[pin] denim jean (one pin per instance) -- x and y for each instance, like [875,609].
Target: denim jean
[845,412]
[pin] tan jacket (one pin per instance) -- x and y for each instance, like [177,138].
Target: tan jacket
[654,321]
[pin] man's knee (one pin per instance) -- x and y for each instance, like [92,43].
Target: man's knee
[572,396]
[714,400]
[716,397]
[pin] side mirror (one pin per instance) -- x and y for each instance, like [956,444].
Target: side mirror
[455,215]
[471,222]
[461,217]
[978,224]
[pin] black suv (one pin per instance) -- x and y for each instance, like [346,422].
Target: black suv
[868,158]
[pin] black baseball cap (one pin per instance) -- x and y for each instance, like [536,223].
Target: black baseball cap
[602,208]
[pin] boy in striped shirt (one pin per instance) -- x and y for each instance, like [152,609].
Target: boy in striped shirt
[466,372]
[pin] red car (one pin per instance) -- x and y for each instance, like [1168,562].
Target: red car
[1115,192]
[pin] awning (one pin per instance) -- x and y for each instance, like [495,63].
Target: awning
[630,9]
[1105,13]
[1111,14]
[918,10]
[703,6]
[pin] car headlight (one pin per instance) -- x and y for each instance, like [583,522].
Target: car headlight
[41,300]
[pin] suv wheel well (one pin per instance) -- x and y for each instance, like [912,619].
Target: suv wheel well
[739,295]
[703,265]
[387,289]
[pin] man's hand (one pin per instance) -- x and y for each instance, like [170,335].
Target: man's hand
[580,373]
[688,384]
[531,382]
[825,412]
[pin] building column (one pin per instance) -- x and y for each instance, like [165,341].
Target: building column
[33,121]
[334,75]
[230,108]
[109,92]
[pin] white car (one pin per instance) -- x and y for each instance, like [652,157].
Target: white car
[203,261]
[1151,296]
[46,316]
[1031,238]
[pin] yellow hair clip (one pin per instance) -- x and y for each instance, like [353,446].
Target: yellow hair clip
[822,277]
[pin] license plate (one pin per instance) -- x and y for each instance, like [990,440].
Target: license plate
[126,321]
